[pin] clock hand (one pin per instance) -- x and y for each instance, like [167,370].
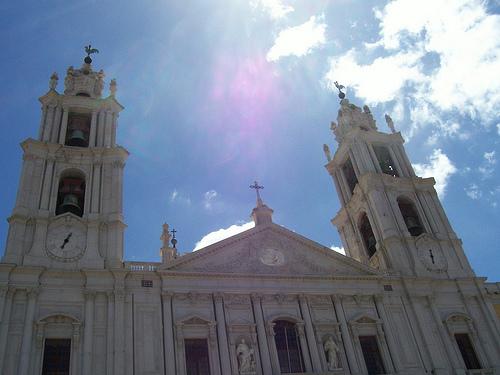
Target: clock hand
[66,240]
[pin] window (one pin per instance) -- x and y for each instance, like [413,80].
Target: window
[56,356]
[367,234]
[288,347]
[197,362]
[467,350]
[71,195]
[78,130]
[410,217]
[349,174]
[371,354]
[385,161]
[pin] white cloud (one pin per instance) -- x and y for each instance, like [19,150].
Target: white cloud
[174,195]
[222,234]
[438,166]
[208,199]
[299,40]
[274,8]
[473,192]
[490,157]
[177,197]
[338,249]
[446,58]
[498,129]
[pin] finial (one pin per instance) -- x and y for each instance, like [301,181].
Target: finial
[390,123]
[257,188]
[53,81]
[340,88]
[112,87]
[173,241]
[327,152]
[89,50]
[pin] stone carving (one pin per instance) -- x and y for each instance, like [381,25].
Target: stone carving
[332,354]
[165,236]
[390,123]
[68,81]
[53,81]
[327,152]
[246,358]
[99,85]
[112,87]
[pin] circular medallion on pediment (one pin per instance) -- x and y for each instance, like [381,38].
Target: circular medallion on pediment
[272,257]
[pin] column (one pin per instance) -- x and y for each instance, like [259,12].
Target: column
[42,123]
[24,359]
[119,327]
[4,324]
[261,335]
[303,346]
[221,334]
[168,334]
[100,129]
[96,183]
[453,360]
[107,129]
[313,348]
[64,126]
[109,334]
[49,121]
[88,332]
[47,184]
[393,349]
[93,129]
[346,337]
[113,130]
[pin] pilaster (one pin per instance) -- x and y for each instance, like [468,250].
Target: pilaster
[222,334]
[24,359]
[261,334]
[88,333]
[346,337]
[309,330]
[168,334]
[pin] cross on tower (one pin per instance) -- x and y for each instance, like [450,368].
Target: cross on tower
[257,187]
[173,241]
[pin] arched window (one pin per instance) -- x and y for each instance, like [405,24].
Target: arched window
[288,347]
[366,231]
[78,129]
[349,174]
[385,160]
[71,194]
[410,216]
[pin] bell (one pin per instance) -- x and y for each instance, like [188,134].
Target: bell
[70,204]
[77,138]
[413,225]
[371,245]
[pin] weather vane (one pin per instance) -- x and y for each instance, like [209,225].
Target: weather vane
[89,50]
[340,88]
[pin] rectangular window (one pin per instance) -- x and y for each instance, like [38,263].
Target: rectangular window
[385,161]
[467,350]
[371,354]
[56,357]
[349,174]
[197,362]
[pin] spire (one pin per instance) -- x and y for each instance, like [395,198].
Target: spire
[261,214]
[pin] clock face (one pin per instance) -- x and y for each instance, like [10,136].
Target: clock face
[431,255]
[272,257]
[66,243]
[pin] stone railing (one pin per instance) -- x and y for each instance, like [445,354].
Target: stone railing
[142,266]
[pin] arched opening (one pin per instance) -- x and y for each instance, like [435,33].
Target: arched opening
[78,129]
[349,174]
[71,194]
[385,161]
[410,216]
[288,347]
[366,231]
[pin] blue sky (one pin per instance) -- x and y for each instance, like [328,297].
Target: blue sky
[220,93]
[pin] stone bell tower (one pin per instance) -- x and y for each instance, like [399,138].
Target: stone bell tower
[390,219]
[68,211]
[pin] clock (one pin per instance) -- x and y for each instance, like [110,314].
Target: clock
[272,257]
[431,254]
[66,242]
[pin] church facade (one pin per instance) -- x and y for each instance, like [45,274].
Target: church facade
[404,299]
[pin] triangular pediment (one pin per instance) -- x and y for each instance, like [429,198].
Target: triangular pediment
[270,250]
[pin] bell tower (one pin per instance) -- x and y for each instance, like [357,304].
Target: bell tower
[68,210]
[390,219]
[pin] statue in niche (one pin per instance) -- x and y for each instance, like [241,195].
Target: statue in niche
[246,359]
[332,354]
[390,123]
[53,81]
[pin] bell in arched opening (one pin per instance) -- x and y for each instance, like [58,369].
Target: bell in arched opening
[70,204]
[410,217]
[77,138]
[71,195]
[413,226]
[78,129]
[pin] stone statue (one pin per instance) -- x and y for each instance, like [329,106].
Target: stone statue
[112,87]
[331,352]
[99,85]
[246,360]
[327,152]
[390,123]
[68,81]
[165,236]
[53,81]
